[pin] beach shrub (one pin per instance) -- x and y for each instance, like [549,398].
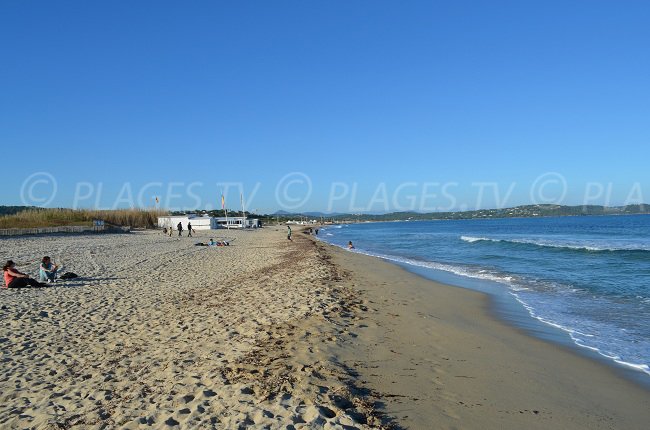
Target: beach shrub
[33,218]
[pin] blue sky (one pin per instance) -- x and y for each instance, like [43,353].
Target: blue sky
[343,106]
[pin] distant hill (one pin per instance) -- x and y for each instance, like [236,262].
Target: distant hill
[322,214]
[10,210]
[308,214]
[526,211]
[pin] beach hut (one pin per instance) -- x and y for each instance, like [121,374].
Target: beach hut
[237,222]
[198,222]
[203,223]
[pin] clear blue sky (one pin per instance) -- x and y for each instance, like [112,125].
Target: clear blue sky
[358,96]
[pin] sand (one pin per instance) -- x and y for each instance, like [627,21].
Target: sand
[159,333]
[267,333]
[440,359]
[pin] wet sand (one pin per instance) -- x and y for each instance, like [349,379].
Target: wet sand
[442,360]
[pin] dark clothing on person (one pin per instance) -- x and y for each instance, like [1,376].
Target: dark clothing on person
[189,229]
[25,282]
[180,228]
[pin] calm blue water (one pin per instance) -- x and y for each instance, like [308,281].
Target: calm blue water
[588,276]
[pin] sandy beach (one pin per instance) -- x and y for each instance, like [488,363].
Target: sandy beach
[267,333]
[443,360]
[159,333]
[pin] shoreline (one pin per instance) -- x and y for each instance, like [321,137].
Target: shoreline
[511,311]
[459,364]
[268,333]
[508,287]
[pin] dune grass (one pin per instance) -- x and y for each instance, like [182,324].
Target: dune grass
[33,218]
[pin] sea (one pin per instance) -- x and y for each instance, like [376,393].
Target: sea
[583,279]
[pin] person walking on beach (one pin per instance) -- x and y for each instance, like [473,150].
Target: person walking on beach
[17,279]
[180,229]
[289,232]
[189,229]
[171,229]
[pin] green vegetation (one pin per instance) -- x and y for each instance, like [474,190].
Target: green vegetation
[527,211]
[32,218]
[24,217]
[10,210]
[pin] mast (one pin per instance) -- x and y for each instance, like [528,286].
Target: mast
[243,211]
[223,206]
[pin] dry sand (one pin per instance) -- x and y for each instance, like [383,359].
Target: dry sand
[268,333]
[163,334]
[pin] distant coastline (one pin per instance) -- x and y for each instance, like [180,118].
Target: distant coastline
[523,211]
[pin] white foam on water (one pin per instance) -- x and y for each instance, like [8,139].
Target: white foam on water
[585,245]
[514,285]
[472,239]
[574,335]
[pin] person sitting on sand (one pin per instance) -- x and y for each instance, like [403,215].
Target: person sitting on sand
[17,279]
[218,243]
[214,243]
[47,270]
[350,246]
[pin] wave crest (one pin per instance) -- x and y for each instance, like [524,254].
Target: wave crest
[563,245]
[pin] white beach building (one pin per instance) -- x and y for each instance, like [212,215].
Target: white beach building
[206,222]
[198,222]
[238,222]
